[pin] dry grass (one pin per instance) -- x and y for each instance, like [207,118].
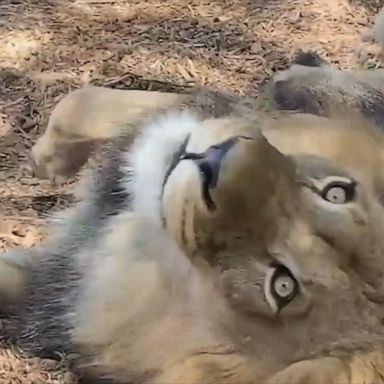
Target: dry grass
[50,47]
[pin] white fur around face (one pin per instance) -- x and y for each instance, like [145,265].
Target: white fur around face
[151,158]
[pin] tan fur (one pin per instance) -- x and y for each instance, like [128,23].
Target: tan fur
[11,282]
[86,117]
[91,115]
[377,32]
[325,90]
[353,145]
[13,266]
[198,283]
[329,75]
[212,322]
[356,369]
[350,142]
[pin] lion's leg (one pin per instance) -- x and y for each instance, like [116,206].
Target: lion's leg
[13,268]
[365,368]
[87,117]
[54,156]
[210,369]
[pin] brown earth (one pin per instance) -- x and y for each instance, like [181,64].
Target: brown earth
[49,47]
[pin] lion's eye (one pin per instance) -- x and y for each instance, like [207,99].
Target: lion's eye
[284,286]
[339,192]
[280,287]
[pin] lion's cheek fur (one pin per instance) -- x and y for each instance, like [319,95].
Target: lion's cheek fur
[142,309]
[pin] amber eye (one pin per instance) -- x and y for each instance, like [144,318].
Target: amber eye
[280,287]
[338,192]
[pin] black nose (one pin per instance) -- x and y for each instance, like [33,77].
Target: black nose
[209,163]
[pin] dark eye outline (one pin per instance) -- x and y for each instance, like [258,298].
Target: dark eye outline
[348,188]
[280,270]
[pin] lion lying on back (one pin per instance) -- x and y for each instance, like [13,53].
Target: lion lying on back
[222,247]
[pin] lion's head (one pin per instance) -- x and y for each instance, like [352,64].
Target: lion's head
[291,243]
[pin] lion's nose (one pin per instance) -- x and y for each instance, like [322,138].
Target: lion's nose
[209,163]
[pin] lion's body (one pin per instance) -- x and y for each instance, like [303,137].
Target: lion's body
[133,299]
[163,272]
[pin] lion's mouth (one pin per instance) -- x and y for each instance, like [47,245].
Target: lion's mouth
[209,164]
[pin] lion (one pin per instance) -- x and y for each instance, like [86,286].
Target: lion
[202,253]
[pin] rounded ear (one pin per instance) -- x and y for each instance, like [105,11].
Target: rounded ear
[297,88]
[309,59]
[321,90]
[225,197]
[290,95]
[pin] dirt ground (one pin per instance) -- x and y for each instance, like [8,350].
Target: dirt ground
[49,47]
